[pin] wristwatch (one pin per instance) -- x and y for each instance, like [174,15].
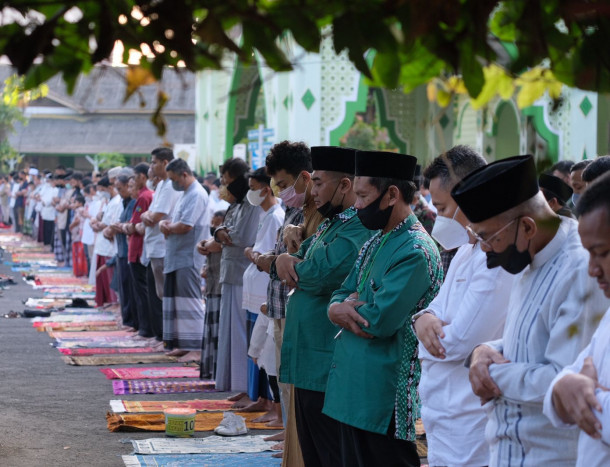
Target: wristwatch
[418,315]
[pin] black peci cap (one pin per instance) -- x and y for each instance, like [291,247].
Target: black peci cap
[333,159]
[496,188]
[383,164]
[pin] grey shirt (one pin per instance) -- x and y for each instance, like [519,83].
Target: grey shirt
[191,209]
[241,222]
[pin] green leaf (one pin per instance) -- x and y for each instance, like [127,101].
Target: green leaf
[39,74]
[345,36]
[386,69]
[471,70]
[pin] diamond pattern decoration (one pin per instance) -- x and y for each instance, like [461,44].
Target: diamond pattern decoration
[444,121]
[585,106]
[308,99]
[488,150]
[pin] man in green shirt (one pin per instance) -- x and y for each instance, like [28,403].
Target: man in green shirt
[372,384]
[315,271]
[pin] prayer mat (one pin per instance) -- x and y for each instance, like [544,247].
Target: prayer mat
[204,421]
[208,445]
[74,327]
[96,360]
[105,351]
[201,405]
[106,342]
[88,334]
[256,459]
[46,303]
[73,317]
[150,372]
[152,386]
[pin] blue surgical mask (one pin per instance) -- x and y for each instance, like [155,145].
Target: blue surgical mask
[575,198]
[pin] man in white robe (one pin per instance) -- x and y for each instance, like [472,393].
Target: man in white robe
[469,309]
[551,310]
[579,395]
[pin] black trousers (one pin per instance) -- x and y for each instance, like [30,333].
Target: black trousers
[129,313]
[367,449]
[48,230]
[138,276]
[318,434]
[155,305]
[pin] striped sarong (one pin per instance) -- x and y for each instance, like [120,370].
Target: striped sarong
[209,348]
[183,310]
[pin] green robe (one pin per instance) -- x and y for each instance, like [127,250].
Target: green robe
[308,342]
[371,378]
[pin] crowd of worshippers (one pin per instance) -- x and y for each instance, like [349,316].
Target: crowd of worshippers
[348,293]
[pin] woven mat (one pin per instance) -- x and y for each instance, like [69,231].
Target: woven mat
[204,421]
[89,334]
[201,405]
[153,386]
[96,360]
[150,372]
[85,343]
[77,327]
[209,445]
[104,351]
[256,459]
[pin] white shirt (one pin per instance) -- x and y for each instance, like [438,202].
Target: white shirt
[93,207]
[112,212]
[551,318]
[47,193]
[14,190]
[255,282]
[591,452]
[164,201]
[473,301]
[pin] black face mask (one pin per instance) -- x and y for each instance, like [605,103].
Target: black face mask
[212,231]
[374,218]
[512,260]
[329,210]
[238,188]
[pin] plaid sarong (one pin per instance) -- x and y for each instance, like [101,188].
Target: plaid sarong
[183,310]
[209,347]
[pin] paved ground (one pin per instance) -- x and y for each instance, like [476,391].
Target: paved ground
[53,414]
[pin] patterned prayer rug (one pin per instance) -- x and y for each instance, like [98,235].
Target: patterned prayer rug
[77,327]
[258,459]
[204,421]
[116,342]
[96,360]
[201,405]
[88,334]
[208,445]
[152,386]
[105,351]
[150,372]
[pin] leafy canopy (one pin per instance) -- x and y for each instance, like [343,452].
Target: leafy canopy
[482,48]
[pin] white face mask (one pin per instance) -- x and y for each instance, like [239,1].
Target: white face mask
[255,198]
[449,233]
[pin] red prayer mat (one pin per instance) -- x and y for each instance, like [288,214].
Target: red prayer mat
[150,372]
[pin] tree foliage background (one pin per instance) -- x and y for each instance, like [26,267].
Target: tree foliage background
[482,48]
[13,99]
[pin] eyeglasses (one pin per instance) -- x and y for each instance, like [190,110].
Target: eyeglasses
[487,242]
